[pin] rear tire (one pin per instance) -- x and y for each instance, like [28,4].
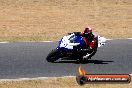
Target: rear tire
[53,56]
[83,60]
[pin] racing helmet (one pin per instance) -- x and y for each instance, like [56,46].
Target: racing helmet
[88,31]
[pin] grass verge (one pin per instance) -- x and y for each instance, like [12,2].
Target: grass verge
[61,82]
[40,20]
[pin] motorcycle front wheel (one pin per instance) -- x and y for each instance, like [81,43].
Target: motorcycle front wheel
[53,56]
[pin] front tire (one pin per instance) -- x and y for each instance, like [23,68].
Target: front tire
[53,56]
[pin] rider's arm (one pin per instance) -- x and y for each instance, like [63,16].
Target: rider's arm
[93,43]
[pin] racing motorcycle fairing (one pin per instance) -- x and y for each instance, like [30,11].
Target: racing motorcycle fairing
[71,41]
[73,46]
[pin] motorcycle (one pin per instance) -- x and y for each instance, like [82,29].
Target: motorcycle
[72,46]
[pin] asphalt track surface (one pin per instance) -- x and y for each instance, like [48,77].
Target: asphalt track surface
[27,60]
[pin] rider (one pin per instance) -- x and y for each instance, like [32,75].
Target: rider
[90,41]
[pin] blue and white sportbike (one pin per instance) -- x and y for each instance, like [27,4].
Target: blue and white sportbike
[72,46]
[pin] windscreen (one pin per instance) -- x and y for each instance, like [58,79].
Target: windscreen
[74,39]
